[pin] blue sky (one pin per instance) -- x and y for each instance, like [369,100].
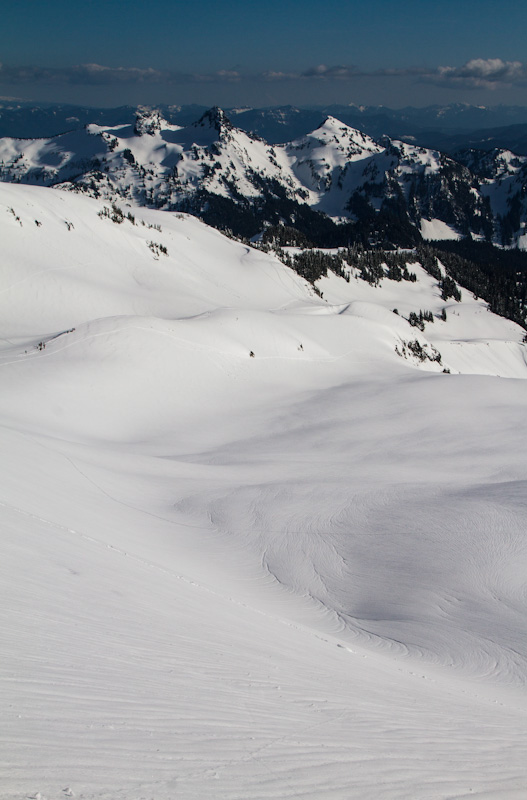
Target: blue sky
[106,52]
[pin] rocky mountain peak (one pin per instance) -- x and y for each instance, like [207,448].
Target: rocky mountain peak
[148,121]
[214,118]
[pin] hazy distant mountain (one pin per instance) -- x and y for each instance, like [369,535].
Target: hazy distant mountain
[27,120]
[510,137]
[431,126]
[281,123]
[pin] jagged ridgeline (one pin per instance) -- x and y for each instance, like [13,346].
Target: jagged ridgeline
[335,187]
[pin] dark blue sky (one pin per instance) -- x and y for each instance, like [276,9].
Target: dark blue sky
[106,52]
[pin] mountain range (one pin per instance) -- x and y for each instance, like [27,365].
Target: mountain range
[335,185]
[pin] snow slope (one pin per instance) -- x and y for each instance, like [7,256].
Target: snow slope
[294,574]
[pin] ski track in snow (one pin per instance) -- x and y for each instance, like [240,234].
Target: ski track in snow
[298,575]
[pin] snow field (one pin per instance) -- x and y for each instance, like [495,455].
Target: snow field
[299,574]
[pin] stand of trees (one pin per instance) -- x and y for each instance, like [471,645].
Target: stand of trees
[498,276]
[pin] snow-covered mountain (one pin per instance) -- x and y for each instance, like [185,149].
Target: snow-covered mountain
[255,542]
[503,177]
[388,192]
[152,161]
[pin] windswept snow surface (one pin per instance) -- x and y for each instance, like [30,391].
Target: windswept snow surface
[296,574]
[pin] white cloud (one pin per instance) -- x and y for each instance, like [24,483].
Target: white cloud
[479,73]
[486,73]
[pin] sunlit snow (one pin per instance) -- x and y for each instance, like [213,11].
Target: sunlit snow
[252,547]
